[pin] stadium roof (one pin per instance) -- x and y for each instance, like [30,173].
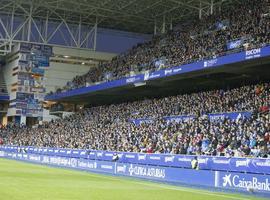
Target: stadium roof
[129,15]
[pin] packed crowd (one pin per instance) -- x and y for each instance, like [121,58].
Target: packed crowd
[206,38]
[111,128]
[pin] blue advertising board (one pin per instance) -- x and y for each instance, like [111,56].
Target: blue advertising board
[244,182]
[4,97]
[259,183]
[231,115]
[247,165]
[183,118]
[234,44]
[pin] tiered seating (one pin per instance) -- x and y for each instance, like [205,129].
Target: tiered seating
[112,128]
[246,23]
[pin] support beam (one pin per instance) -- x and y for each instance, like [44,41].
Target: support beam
[21,27]
[70,32]
[79,32]
[200,10]
[30,24]
[212,7]
[155,27]
[12,20]
[55,30]
[46,28]
[163,30]
[4,28]
[86,39]
[95,35]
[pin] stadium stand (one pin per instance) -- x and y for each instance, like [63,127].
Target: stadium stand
[143,126]
[112,127]
[190,107]
[247,26]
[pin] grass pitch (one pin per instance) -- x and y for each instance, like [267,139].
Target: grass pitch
[23,181]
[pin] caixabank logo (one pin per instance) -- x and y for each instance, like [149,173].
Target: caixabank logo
[246,182]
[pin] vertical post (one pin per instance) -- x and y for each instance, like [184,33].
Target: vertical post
[29,24]
[87,42]
[212,7]
[23,31]
[200,11]
[163,25]
[11,27]
[12,21]
[79,32]
[46,27]
[95,35]
[155,27]
[171,24]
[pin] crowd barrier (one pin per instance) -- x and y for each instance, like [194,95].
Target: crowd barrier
[232,164]
[240,182]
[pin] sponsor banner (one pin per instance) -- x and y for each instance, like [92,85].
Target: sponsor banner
[129,157]
[232,116]
[234,44]
[4,98]
[178,175]
[254,53]
[47,50]
[134,79]
[151,75]
[184,176]
[83,164]
[24,96]
[247,165]
[37,90]
[258,183]
[219,163]
[25,47]
[40,61]
[36,49]
[185,118]
[241,181]
[250,165]
[141,121]
[177,119]
[199,65]
[210,63]
[38,71]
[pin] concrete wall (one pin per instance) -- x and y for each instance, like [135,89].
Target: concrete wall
[60,73]
[84,53]
[62,68]
[8,71]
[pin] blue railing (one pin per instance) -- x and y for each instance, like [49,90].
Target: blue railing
[200,65]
